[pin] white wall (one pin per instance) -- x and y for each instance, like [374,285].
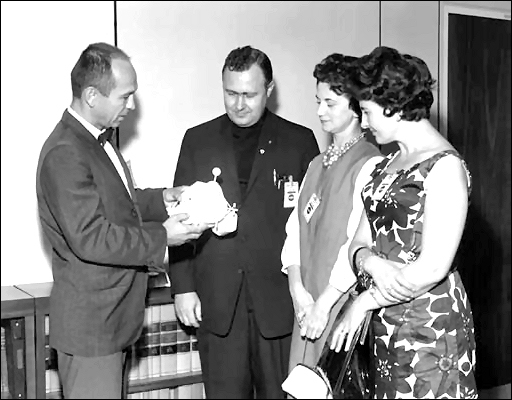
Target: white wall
[178,50]
[412,27]
[41,41]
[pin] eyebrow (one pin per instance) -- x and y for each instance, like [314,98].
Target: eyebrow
[326,99]
[242,93]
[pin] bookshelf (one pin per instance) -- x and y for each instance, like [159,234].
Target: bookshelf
[151,385]
[40,292]
[18,344]
[161,296]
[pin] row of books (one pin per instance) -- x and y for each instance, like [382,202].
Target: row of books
[193,391]
[164,349]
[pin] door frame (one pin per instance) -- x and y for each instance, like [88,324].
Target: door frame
[446,9]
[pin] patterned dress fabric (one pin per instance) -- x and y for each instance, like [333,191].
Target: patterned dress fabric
[424,348]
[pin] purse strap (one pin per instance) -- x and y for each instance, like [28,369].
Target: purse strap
[305,346]
[360,337]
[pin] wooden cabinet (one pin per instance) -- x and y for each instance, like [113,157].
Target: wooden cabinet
[25,310]
[18,344]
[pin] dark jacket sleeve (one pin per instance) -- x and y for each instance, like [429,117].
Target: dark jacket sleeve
[151,204]
[181,264]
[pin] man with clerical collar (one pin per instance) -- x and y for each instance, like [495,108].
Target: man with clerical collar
[231,288]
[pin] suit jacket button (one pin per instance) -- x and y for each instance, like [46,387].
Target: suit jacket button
[240,271]
[134,212]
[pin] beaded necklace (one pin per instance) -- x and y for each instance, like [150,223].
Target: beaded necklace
[333,152]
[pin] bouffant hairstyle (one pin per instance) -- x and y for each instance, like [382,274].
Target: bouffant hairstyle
[334,70]
[400,83]
[243,58]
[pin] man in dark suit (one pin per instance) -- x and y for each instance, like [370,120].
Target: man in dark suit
[104,233]
[231,287]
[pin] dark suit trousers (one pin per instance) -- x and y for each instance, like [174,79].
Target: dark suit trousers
[243,364]
[102,377]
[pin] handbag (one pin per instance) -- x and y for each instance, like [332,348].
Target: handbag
[305,382]
[337,375]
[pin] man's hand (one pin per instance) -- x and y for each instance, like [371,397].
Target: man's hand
[172,195]
[179,232]
[188,308]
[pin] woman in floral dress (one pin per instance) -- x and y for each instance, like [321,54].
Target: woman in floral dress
[404,248]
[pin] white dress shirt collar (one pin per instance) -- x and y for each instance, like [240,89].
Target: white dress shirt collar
[87,125]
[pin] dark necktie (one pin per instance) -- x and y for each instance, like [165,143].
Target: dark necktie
[105,136]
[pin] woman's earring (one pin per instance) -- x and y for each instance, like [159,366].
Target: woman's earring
[387,112]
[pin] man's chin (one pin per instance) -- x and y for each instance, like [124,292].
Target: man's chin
[242,122]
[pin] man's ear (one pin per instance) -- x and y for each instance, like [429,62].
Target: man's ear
[90,96]
[270,88]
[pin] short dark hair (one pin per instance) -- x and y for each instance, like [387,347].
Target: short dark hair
[400,83]
[94,68]
[242,58]
[335,70]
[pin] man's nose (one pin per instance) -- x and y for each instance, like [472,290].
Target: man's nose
[240,101]
[131,103]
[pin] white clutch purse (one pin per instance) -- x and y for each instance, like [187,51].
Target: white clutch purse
[304,382]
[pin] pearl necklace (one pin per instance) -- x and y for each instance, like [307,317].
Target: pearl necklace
[333,152]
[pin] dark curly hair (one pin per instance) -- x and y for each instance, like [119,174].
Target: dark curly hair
[242,58]
[334,70]
[94,68]
[400,83]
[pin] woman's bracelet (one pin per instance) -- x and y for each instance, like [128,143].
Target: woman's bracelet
[357,265]
[354,257]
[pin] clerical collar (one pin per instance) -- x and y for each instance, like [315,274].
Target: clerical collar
[256,127]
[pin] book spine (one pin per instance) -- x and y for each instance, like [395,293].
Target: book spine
[168,340]
[133,372]
[184,392]
[184,362]
[143,346]
[195,359]
[154,342]
[196,391]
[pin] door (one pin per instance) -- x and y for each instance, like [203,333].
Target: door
[478,125]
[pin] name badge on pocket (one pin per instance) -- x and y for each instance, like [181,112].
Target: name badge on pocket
[291,193]
[313,203]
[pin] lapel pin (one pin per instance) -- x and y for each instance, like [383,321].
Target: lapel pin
[216,173]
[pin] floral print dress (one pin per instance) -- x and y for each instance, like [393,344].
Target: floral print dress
[424,348]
